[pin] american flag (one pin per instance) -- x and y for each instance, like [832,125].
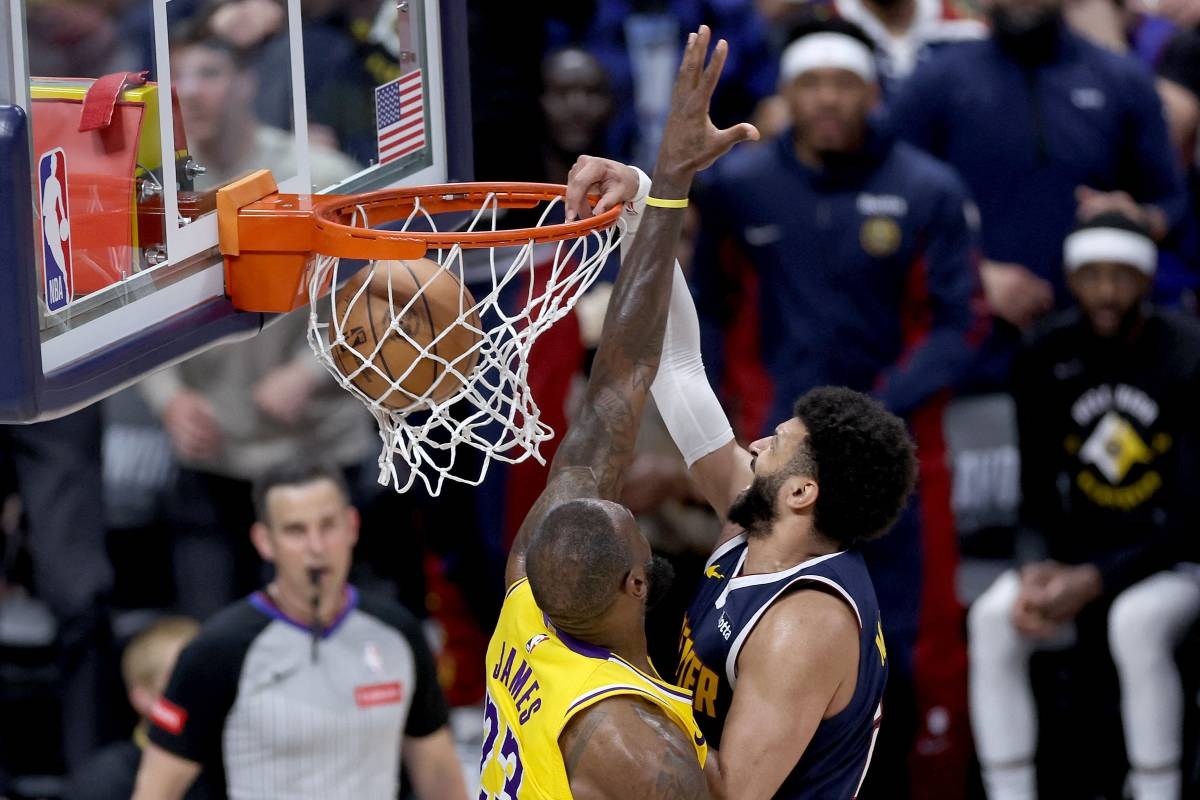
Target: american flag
[400,116]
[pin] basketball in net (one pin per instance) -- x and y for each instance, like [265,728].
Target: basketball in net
[443,370]
[409,333]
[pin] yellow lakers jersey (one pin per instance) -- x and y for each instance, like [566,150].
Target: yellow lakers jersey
[537,680]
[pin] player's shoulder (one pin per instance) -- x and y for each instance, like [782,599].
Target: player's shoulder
[629,746]
[812,612]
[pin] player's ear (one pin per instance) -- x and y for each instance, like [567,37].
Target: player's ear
[802,494]
[636,584]
[260,536]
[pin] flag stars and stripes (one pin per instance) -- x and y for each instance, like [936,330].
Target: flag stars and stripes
[400,116]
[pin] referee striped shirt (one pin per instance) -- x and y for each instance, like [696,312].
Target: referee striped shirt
[248,703]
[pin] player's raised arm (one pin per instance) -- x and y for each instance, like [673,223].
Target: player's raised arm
[693,414]
[598,446]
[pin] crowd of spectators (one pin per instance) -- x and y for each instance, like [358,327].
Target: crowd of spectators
[1007,206]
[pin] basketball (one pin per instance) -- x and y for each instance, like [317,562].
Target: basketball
[368,332]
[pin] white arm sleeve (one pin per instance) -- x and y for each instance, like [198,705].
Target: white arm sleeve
[634,210]
[685,399]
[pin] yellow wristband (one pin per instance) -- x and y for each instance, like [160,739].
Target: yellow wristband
[659,202]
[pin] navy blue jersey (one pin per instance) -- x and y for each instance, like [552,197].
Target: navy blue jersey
[720,619]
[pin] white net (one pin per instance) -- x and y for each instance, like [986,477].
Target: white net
[478,407]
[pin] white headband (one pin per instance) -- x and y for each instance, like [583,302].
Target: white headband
[1116,245]
[827,51]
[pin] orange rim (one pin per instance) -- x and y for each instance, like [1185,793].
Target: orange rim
[336,237]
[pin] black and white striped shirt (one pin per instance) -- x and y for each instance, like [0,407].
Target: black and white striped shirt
[248,702]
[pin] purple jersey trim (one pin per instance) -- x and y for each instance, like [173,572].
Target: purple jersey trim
[263,602]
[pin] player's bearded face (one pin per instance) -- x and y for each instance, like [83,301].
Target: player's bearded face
[754,509]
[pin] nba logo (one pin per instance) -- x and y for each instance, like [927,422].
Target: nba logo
[56,228]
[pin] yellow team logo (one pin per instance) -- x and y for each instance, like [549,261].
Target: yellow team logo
[712,572]
[1113,450]
[880,236]
[879,645]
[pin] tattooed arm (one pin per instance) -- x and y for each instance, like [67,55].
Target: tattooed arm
[598,447]
[624,747]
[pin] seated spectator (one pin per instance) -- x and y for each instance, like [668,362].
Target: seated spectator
[1064,130]
[145,666]
[1106,400]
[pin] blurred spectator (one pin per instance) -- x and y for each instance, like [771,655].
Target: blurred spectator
[235,409]
[145,666]
[906,32]
[577,103]
[639,43]
[304,689]
[216,88]
[1184,13]
[1044,127]
[345,58]
[835,255]
[58,474]
[74,38]
[1179,87]
[506,61]
[1106,397]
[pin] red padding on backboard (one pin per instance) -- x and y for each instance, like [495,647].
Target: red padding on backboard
[101,100]
[100,168]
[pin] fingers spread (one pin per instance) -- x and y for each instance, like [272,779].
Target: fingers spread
[712,73]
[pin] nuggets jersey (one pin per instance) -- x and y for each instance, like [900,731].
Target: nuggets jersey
[537,680]
[721,617]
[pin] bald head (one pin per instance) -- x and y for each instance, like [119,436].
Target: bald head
[577,560]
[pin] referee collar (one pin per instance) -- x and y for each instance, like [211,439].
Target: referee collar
[263,602]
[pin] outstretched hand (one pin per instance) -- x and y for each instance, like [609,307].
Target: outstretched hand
[690,141]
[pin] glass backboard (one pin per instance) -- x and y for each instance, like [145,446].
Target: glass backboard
[119,119]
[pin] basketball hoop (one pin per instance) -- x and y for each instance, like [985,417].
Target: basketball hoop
[284,250]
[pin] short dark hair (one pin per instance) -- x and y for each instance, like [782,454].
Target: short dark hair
[865,463]
[811,25]
[576,562]
[294,473]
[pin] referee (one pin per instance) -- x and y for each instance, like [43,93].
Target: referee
[304,689]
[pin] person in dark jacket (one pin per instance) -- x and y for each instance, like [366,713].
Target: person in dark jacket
[1045,128]
[1106,399]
